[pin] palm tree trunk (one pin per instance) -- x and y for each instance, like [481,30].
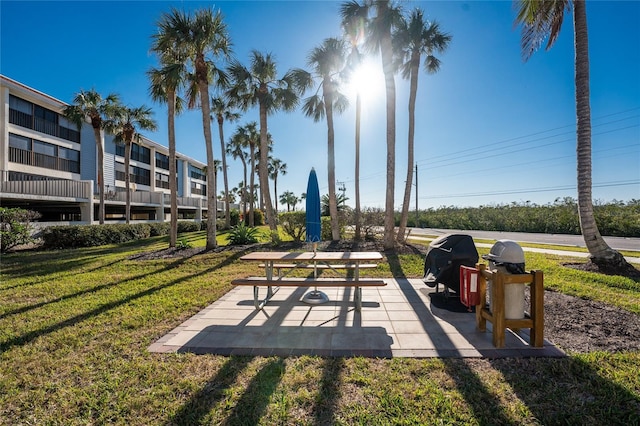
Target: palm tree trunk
[357,219]
[264,176]
[99,146]
[173,234]
[387,69]
[211,198]
[251,186]
[413,89]
[243,192]
[600,251]
[331,162]
[227,213]
[127,180]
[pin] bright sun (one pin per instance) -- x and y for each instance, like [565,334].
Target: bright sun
[368,80]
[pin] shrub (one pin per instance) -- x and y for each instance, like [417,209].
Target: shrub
[258,218]
[189,226]
[74,236]
[159,228]
[234,215]
[242,234]
[15,227]
[293,224]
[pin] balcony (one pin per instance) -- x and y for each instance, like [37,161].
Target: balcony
[57,188]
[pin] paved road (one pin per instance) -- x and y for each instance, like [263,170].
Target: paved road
[618,243]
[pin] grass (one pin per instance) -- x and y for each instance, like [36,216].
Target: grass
[75,325]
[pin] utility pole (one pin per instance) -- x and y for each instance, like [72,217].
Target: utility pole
[417,214]
[342,188]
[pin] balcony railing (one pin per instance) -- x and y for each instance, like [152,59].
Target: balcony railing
[51,188]
[30,158]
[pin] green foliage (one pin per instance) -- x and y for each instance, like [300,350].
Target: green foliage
[74,236]
[183,243]
[190,226]
[561,217]
[159,228]
[234,216]
[242,234]
[293,224]
[15,227]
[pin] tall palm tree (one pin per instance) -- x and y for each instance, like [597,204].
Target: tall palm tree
[125,125]
[202,38]
[354,22]
[541,20]
[276,167]
[236,148]
[387,16]
[91,105]
[327,62]
[270,150]
[222,109]
[165,82]
[411,39]
[259,85]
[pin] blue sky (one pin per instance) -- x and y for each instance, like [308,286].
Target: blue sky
[491,129]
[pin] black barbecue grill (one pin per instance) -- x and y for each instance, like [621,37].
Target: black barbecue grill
[443,260]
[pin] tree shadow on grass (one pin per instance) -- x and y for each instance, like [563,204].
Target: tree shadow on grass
[329,393]
[569,391]
[194,411]
[255,399]
[30,336]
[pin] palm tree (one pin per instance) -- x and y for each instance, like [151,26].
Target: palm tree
[289,199]
[276,167]
[223,110]
[270,150]
[164,85]
[236,148]
[125,126]
[354,21]
[201,37]
[327,61]
[252,139]
[411,39]
[91,105]
[542,20]
[258,85]
[387,16]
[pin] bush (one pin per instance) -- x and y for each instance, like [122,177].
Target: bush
[242,234]
[159,228]
[258,218]
[15,227]
[293,224]
[74,236]
[234,216]
[189,226]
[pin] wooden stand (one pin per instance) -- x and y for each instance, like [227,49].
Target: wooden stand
[533,321]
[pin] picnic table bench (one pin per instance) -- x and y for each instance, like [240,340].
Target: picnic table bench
[310,260]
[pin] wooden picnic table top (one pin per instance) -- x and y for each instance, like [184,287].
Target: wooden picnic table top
[310,256]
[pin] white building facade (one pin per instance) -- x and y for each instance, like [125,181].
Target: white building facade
[48,166]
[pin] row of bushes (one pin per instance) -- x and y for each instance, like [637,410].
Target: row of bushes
[73,236]
[613,219]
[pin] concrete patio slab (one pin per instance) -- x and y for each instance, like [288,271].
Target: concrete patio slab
[403,319]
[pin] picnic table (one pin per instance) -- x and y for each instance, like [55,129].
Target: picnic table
[310,260]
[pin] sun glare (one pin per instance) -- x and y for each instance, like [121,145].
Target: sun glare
[368,80]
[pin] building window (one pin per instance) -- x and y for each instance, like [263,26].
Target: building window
[197,173]
[162,161]
[33,152]
[198,188]
[25,114]
[162,180]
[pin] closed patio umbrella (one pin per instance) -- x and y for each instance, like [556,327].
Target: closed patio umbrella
[313,231]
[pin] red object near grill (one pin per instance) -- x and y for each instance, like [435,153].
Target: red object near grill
[469,295]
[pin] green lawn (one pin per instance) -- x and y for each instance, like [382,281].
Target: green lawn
[75,325]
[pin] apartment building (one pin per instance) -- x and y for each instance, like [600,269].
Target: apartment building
[48,166]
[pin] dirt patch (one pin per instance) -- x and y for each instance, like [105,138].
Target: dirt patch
[572,323]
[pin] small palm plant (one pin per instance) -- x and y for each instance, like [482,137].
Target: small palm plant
[243,234]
